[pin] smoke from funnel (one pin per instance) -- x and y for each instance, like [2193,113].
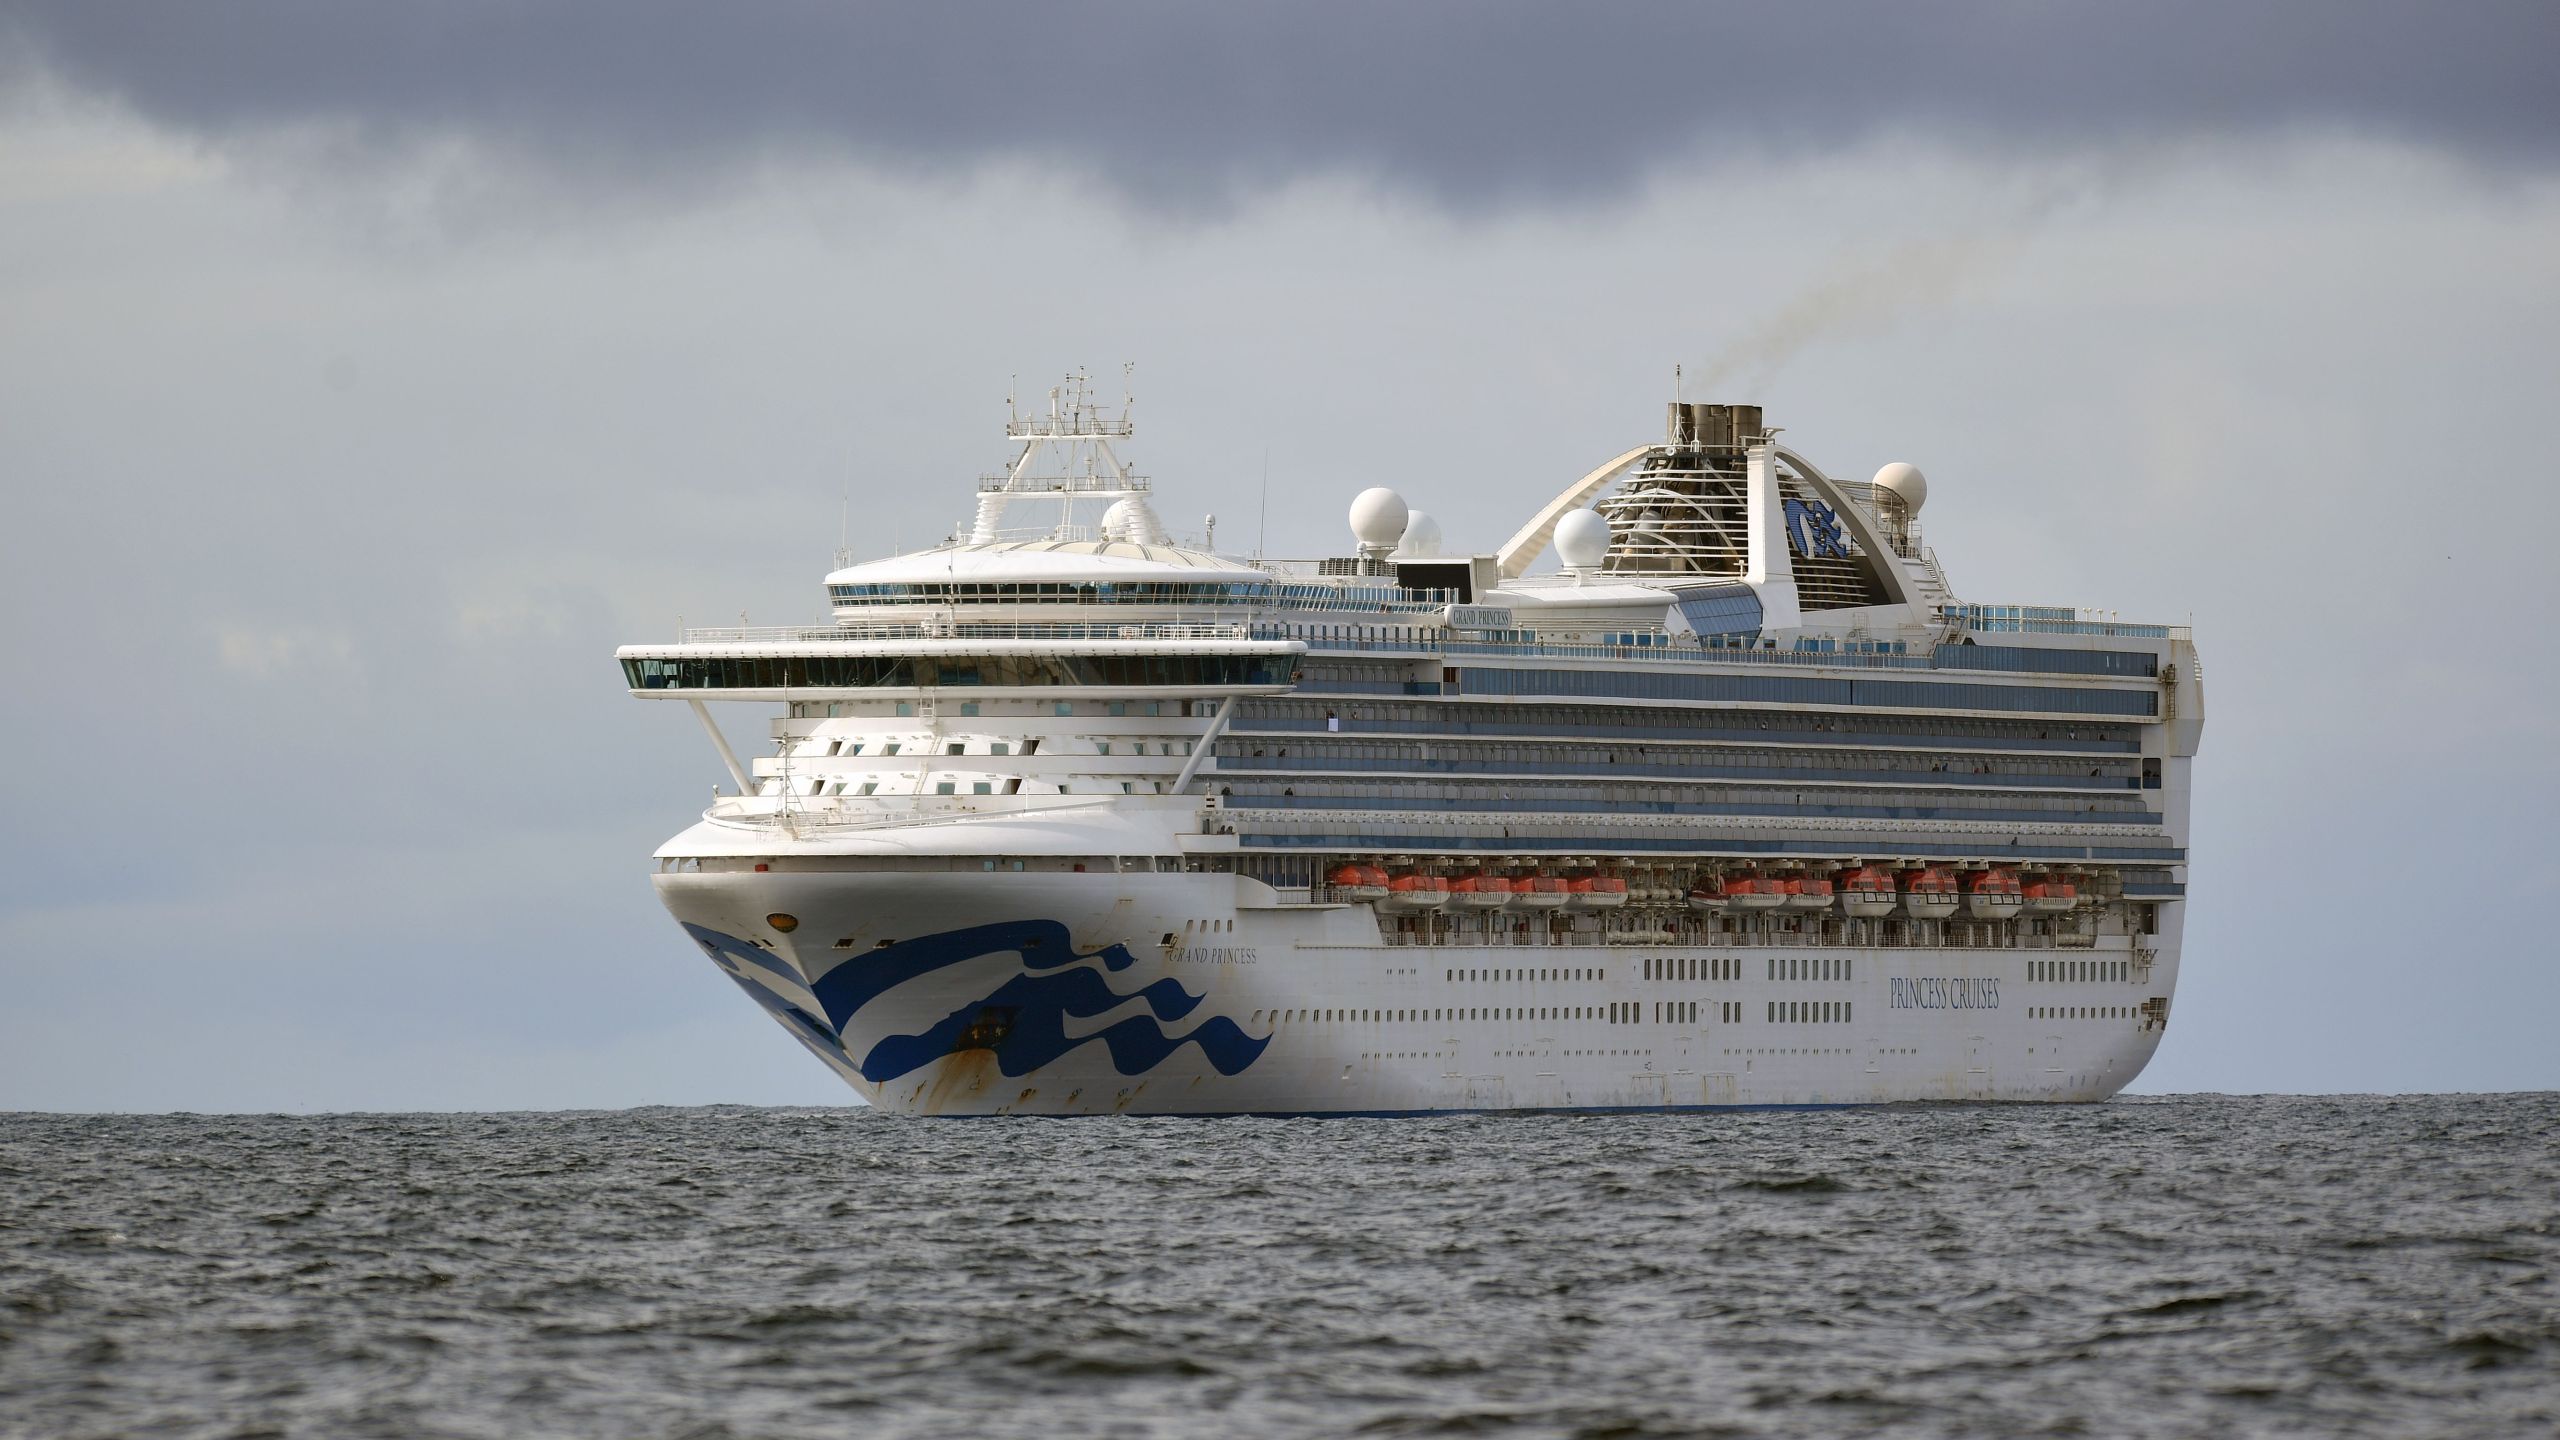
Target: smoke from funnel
[1870,293]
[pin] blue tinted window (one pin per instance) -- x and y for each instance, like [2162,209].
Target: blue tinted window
[1809,690]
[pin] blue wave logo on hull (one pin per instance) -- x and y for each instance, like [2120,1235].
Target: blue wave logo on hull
[1022,1022]
[732,955]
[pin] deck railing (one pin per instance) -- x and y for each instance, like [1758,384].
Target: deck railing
[969,630]
[2053,620]
[1410,640]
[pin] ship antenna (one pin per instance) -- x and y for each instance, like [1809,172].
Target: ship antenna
[1679,390]
[1262,526]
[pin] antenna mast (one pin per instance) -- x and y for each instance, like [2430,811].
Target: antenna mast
[1065,461]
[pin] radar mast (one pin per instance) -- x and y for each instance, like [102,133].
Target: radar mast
[1065,462]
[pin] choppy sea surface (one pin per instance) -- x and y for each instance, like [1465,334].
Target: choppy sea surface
[2184,1266]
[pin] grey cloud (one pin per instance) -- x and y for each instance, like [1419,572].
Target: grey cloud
[1187,105]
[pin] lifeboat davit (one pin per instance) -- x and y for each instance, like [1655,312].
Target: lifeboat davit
[1708,893]
[1413,891]
[1595,892]
[1747,891]
[1866,892]
[1995,894]
[1357,882]
[1480,891]
[1930,892]
[1808,892]
[2051,895]
[1537,891]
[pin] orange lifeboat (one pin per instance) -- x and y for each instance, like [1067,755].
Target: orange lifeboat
[1594,892]
[1995,894]
[1479,891]
[2051,894]
[1413,890]
[1866,892]
[1537,890]
[1745,890]
[1930,892]
[1357,883]
[1808,892]
[1708,893]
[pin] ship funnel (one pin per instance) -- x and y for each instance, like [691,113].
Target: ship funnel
[1714,427]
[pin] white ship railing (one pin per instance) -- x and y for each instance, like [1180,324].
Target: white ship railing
[2039,620]
[1033,486]
[877,816]
[1669,650]
[965,630]
[1414,640]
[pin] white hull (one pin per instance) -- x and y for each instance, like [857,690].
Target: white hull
[1047,993]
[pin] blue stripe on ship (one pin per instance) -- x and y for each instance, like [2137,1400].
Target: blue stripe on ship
[1034,1005]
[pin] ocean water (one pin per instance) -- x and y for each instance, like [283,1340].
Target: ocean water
[2187,1266]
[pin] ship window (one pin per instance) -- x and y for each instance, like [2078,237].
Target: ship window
[999,748]
[889,749]
[982,788]
[870,785]
[1062,708]
[945,788]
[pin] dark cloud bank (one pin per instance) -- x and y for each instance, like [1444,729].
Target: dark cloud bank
[1183,103]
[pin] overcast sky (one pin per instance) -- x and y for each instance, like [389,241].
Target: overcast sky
[367,373]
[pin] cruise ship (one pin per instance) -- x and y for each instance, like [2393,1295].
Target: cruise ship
[1703,789]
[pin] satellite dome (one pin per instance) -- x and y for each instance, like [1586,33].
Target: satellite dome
[1377,519]
[1582,539]
[1904,482]
[1421,535]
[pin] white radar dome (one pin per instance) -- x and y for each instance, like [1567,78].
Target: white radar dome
[1904,482]
[1377,518]
[1582,539]
[1421,535]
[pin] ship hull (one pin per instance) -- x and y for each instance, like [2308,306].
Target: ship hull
[963,993]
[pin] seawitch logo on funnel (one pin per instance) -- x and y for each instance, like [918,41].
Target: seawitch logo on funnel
[1022,1021]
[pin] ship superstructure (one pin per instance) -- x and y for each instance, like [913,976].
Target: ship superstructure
[1736,805]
